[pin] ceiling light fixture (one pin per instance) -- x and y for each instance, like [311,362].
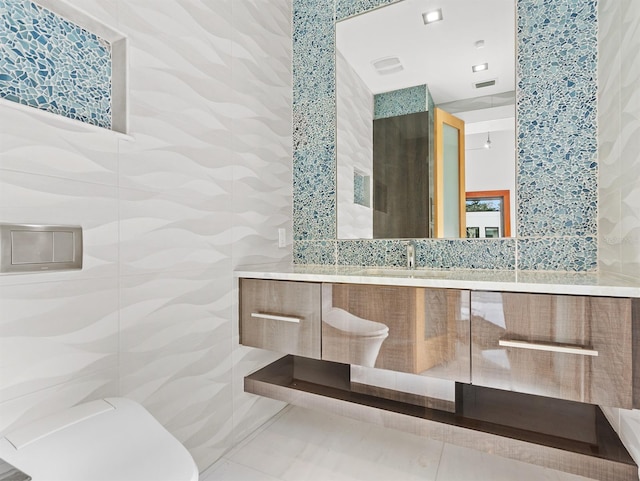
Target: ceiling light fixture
[487,144]
[480,67]
[479,44]
[387,65]
[433,16]
[484,84]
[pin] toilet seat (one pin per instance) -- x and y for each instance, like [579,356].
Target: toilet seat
[353,325]
[104,440]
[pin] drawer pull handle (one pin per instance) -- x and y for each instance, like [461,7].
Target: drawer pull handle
[271,317]
[549,347]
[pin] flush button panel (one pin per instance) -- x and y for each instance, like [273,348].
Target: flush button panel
[33,248]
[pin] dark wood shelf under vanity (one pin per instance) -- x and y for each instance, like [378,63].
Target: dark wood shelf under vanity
[565,435]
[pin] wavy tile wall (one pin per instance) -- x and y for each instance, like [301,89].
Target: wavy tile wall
[619,137]
[557,120]
[619,154]
[204,185]
[354,153]
[262,180]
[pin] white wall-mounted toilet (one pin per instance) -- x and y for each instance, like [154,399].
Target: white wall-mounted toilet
[112,439]
[351,339]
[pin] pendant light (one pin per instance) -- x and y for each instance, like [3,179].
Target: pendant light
[487,144]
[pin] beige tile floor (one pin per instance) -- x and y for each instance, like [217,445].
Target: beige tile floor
[301,444]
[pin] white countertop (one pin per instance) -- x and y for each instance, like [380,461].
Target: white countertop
[588,284]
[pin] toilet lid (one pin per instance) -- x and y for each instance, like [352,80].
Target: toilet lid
[104,440]
[353,325]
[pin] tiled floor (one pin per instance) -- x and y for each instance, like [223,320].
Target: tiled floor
[301,444]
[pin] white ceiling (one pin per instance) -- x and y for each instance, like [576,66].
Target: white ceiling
[440,54]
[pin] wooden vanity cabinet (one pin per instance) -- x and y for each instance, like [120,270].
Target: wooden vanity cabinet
[281,316]
[577,348]
[428,328]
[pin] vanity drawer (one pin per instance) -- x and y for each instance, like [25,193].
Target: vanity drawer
[281,316]
[570,347]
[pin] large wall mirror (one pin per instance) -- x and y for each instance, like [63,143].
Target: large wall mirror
[426,120]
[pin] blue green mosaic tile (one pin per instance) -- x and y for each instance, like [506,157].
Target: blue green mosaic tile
[361,189]
[430,253]
[347,8]
[558,254]
[314,194]
[557,117]
[314,137]
[49,63]
[466,253]
[401,102]
[359,252]
[314,252]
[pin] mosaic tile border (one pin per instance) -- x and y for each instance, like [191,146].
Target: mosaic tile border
[557,118]
[52,64]
[314,114]
[556,146]
[558,254]
[315,252]
[401,102]
[494,254]
[431,253]
[348,8]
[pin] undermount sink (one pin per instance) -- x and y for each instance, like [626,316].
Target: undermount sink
[390,272]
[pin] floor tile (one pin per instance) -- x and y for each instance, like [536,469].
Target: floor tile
[225,470]
[464,464]
[310,445]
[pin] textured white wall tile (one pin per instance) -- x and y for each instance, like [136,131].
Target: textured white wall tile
[609,232]
[204,185]
[176,355]
[64,148]
[354,144]
[262,126]
[160,232]
[630,230]
[262,187]
[180,90]
[25,409]
[619,137]
[39,199]
[71,331]
[609,148]
[630,139]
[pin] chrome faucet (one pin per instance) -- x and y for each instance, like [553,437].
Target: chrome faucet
[411,254]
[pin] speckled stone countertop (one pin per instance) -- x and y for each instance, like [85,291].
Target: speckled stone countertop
[588,284]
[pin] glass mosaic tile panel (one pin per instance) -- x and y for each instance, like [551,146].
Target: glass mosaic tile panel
[49,63]
[401,102]
[361,189]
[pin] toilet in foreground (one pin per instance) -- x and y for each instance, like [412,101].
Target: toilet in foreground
[103,440]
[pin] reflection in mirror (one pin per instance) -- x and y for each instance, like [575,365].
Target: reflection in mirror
[488,214]
[392,71]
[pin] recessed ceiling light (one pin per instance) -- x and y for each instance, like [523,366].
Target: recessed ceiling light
[433,16]
[480,67]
